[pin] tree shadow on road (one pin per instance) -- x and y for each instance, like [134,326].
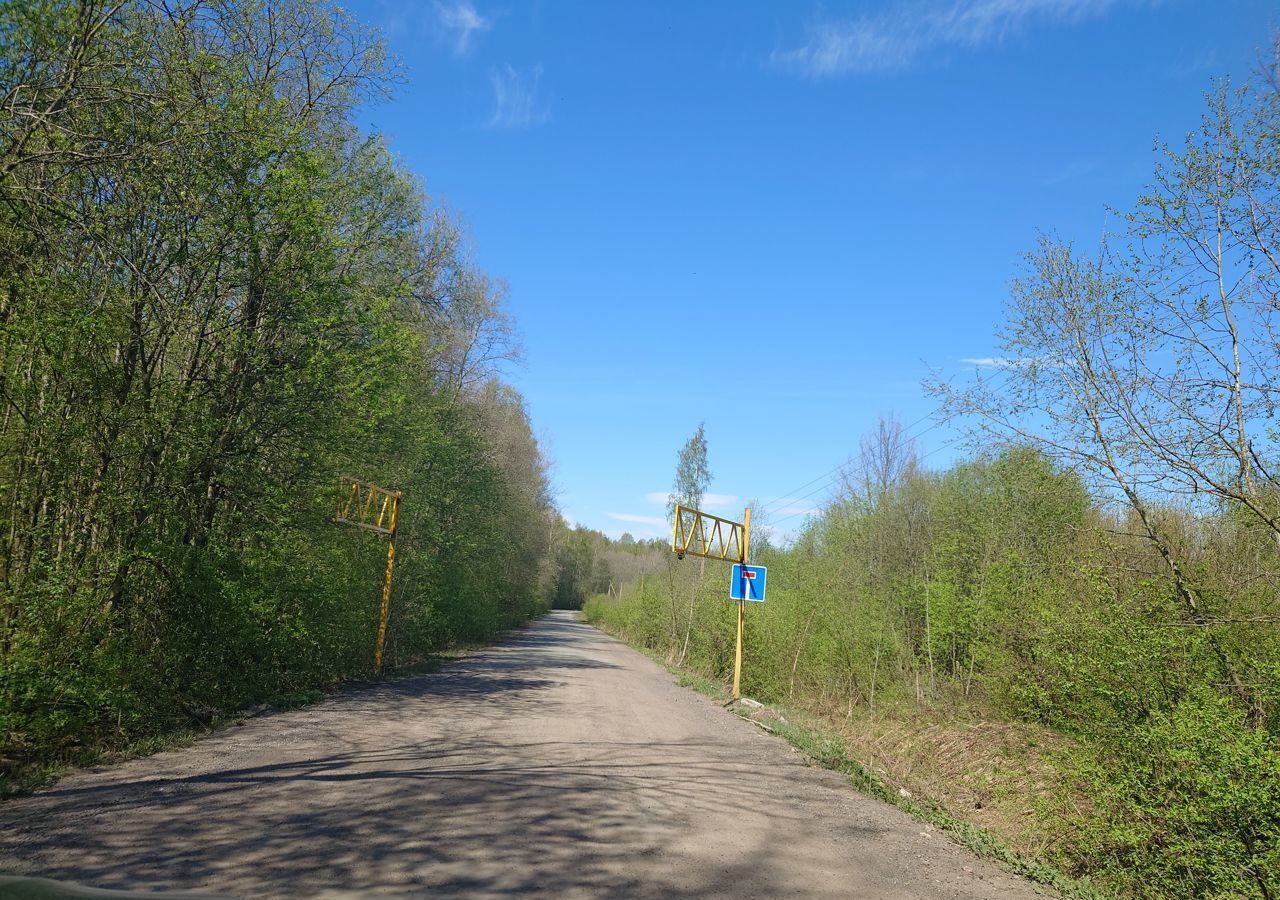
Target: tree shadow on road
[456,807]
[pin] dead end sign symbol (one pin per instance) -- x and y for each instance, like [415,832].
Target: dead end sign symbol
[747,582]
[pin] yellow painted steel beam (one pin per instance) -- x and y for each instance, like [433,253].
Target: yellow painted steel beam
[695,533]
[363,504]
[386,584]
[742,609]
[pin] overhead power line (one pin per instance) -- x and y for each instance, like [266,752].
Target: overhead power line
[787,499]
[829,481]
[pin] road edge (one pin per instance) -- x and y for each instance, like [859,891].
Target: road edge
[824,750]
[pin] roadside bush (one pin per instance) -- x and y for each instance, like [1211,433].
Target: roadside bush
[1187,805]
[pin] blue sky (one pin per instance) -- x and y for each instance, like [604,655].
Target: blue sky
[776,218]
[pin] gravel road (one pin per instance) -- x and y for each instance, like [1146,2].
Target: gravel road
[559,763]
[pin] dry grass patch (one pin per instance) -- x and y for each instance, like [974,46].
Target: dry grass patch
[998,776]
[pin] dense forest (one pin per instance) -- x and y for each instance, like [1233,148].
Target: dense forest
[1095,587]
[218,295]
[587,564]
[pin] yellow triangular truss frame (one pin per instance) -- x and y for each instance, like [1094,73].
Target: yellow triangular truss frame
[365,505]
[695,533]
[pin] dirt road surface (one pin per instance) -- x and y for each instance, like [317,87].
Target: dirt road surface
[560,763]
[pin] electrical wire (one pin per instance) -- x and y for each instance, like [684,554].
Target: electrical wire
[787,500]
[774,522]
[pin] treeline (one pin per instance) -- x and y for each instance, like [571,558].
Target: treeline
[1108,570]
[589,563]
[216,296]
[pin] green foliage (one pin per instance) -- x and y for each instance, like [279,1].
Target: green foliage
[692,474]
[1000,589]
[216,296]
[588,566]
[1190,807]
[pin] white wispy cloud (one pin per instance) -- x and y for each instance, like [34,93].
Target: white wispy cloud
[460,20]
[910,29]
[1006,362]
[656,521]
[709,501]
[515,98]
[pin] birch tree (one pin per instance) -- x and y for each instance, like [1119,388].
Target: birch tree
[693,477]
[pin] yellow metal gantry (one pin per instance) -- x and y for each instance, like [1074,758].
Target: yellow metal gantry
[362,504]
[695,533]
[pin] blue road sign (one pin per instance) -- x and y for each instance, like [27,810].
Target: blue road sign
[747,582]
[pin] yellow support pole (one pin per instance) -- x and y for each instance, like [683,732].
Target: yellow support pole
[737,656]
[675,531]
[386,583]
[742,608]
